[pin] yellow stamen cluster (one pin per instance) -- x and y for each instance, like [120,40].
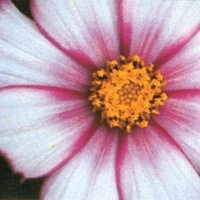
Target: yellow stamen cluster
[127,92]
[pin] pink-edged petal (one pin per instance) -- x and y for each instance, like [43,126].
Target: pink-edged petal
[89,175]
[157,30]
[180,117]
[151,166]
[183,70]
[26,57]
[41,127]
[85,30]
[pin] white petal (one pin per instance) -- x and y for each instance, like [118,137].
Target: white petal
[26,57]
[41,127]
[85,30]
[89,175]
[183,70]
[157,30]
[150,166]
[180,117]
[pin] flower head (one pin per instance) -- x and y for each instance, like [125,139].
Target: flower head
[103,98]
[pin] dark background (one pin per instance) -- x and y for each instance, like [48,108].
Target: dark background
[23,6]
[12,187]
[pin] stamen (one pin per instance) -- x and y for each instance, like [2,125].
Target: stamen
[127,92]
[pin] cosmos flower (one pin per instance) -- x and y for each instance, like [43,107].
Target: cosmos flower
[102,97]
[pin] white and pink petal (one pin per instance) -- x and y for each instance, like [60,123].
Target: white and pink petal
[29,58]
[41,127]
[183,70]
[151,166]
[157,30]
[88,175]
[180,118]
[85,30]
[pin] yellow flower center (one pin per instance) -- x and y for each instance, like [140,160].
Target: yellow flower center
[127,92]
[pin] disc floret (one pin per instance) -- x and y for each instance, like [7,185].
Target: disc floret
[127,92]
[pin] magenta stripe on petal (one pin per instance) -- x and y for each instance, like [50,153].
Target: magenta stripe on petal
[77,146]
[28,58]
[49,119]
[88,40]
[120,159]
[77,55]
[175,48]
[60,94]
[150,165]
[89,174]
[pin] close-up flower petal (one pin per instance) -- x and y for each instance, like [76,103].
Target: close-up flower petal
[182,123]
[90,174]
[102,98]
[85,30]
[46,120]
[149,28]
[28,58]
[153,160]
